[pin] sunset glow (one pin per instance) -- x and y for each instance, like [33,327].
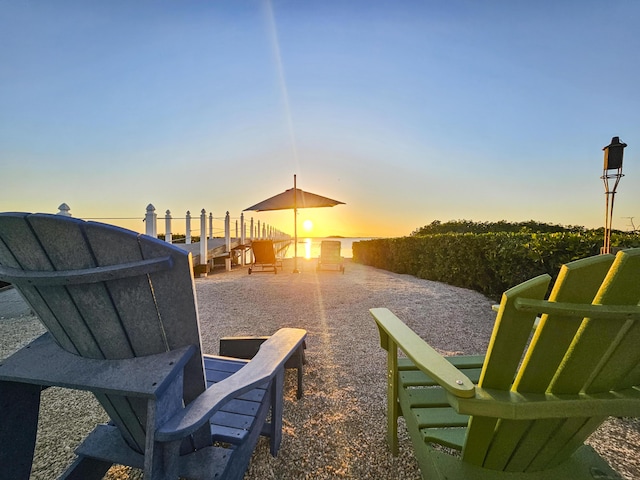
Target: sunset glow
[99,95]
[307,225]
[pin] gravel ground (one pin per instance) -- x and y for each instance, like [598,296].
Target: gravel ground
[338,429]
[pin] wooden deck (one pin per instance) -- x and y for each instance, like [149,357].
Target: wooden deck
[215,248]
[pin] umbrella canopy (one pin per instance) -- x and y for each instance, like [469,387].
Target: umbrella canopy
[294,198]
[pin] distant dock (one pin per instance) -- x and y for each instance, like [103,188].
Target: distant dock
[217,249]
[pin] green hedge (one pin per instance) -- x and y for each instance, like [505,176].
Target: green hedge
[489,263]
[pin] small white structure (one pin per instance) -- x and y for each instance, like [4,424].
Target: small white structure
[168,237]
[64,210]
[150,220]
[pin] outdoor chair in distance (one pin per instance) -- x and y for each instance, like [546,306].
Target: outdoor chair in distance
[264,257]
[330,258]
[122,320]
[525,409]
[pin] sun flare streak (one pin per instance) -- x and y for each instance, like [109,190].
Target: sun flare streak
[275,45]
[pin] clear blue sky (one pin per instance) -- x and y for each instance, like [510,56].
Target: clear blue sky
[408,111]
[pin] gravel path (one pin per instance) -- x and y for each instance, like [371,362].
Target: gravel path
[338,429]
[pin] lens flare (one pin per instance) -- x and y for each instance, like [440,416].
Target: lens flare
[307,225]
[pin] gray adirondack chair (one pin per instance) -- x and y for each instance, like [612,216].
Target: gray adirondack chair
[122,320]
[524,410]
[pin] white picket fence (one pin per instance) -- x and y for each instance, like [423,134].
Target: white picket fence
[209,245]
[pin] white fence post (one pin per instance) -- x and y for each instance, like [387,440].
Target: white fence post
[243,239]
[203,240]
[150,219]
[210,224]
[167,227]
[64,210]
[187,235]
[251,237]
[227,241]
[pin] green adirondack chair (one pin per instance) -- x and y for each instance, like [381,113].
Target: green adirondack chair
[123,324]
[524,410]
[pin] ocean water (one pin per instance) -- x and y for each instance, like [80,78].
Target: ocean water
[309,247]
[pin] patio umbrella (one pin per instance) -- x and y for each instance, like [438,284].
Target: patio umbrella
[294,198]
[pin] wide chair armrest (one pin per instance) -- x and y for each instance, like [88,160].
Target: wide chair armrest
[395,334]
[579,310]
[512,405]
[264,366]
[44,362]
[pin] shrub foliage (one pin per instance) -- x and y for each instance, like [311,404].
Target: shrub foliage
[464,254]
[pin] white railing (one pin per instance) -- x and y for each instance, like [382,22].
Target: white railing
[206,231]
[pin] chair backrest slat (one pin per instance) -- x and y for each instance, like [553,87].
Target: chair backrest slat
[133,313]
[565,436]
[176,302]
[511,333]
[565,356]
[577,282]
[602,352]
[128,413]
[25,248]
[133,297]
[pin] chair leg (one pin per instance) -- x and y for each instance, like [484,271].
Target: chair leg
[237,466]
[393,409]
[19,407]
[84,468]
[276,392]
[299,356]
[162,463]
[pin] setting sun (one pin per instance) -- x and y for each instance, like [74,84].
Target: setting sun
[307,225]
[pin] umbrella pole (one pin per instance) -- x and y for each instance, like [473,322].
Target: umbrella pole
[295,227]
